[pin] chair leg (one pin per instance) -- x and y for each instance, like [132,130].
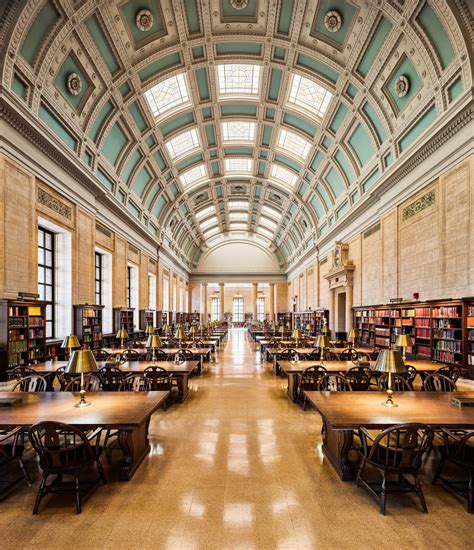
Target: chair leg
[78,495]
[40,494]
[438,471]
[419,492]
[24,470]
[470,494]
[383,495]
[359,472]
[101,472]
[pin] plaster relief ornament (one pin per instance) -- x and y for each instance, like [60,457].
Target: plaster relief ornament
[74,84]
[402,86]
[333,21]
[144,20]
[239,4]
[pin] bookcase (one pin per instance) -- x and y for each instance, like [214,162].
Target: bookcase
[146,318]
[283,318]
[123,317]
[88,325]
[440,330]
[316,319]
[22,333]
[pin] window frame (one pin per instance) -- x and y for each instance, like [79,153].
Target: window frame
[129,286]
[238,313]
[261,308]
[44,284]
[98,280]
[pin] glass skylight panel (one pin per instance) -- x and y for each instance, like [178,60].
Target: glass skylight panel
[309,96]
[238,165]
[268,223]
[271,211]
[283,175]
[265,232]
[293,143]
[168,95]
[183,143]
[238,216]
[238,131]
[205,211]
[192,176]
[238,79]
[210,232]
[238,225]
[238,205]
[208,222]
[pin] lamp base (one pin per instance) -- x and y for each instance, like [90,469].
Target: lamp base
[389,403]
[82,404]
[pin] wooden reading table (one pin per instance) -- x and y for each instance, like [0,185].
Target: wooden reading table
[129,413]
[343,412]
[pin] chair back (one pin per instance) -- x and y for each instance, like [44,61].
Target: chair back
[399,382]
[130,355]
[438,382]
[348,354]
[330,356]
[158,379]
[462,453]
[60,446]
[289,354]
[110,378]
[450,371]
[182,355]
[91,383]
[314,355]
[401,446]
[33,383]
[359,378]
[334,382]
[101,354]
[363,357]
[22,372]
[308,379]
[134,382]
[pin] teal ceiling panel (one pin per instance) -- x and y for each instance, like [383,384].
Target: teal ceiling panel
[19,87]
[317,67]
[455,89]
[198,52]
[286,16]
[437,35]
[106,181]
[206,113]
[152,195]
[342,209]
[141,181]
[328,200]
[267,134]
[238,109]
[275,85]
[57,127]
[215,168]
[125,89]
[300,124]
[190,160]
[404,68]
[375,120]
[210,135]
[239,48]
[191,9]
[131,164]
[138,117]
[288,162]
[372,48]
[158,27]
[351,91]
[157,67]
[326,143]
[345,165]
[361,144]
[238,151]
[44,22]
[69,66]
[133,208]
[244,12]
[103,44]
[338,118]
[202,83]
[335,182]
[318,157]
[158,206]
[279,53]
[100,120]
[302,189]
[159,160]
[114,143]
[177,123]
[417,129]
[388,159]
[270,113]
[367,183]
[347,12]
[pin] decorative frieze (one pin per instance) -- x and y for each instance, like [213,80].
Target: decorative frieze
[102,229]
[55,204]
[425,201]
[372,230]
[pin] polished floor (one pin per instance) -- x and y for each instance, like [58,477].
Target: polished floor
[236,466]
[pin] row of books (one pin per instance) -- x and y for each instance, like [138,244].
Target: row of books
[447,345]
[447,311]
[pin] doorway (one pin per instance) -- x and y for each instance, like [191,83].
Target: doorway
[341,315]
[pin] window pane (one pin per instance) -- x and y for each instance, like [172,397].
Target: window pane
[48,241]
[40,238]
[40,256]
[41,292]
[48,258]
[49,294]
[49,276]
[40,275]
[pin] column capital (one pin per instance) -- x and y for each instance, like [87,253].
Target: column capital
[204,284]
[255,284]
[271,284]
[221,285]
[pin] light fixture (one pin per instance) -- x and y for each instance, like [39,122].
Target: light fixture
[70,342]
[321,343]
[81,361]
[325,330]
[167,329]
[149,330]
[153,342]
[297,335]
[388,361]
[180,334]
[404,341]
[123,335]
[308,328]
[353,335]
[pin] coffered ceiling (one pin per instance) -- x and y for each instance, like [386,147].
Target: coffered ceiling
[261,121]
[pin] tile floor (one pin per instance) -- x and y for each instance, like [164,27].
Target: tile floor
[236,466]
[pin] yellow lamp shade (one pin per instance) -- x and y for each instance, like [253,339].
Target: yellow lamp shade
[326,330]
[149,330]
[390,360]
[180,334]
[297,334]
[282,330]
[308,327]
[201,328]
[122,334]
[404,341]
[70,342]
[81,361]
[153,341]
[353,334]
[193,330]
[322,342]
[166,328]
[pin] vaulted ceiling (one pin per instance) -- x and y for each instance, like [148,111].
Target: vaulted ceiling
[252,120]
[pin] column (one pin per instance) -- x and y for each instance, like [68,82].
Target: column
[332,312]
[204,302]
[271,305]
[349,299]
[221,301]
[254,301]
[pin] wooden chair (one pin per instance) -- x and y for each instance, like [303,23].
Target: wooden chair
[458,449]
[33,383]
[363,357]
[315,355]
[130,355]
[334,382]
[91,383]
[110,378]
[411,375]
[65,450]
[399,383]
[21,372]
[134,382]
[308,381]
[12,445]
[450,371]
[397,451]
[101,354]
[181,356]
[158,379]
[348,354]
[438,382]
[359,378]
[330,356]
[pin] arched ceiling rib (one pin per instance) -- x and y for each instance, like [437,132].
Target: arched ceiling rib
[313,124]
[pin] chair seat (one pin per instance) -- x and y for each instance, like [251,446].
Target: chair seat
[385,455]
[72,459]
[468,455]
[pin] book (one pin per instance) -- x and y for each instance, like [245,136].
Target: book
[462,401]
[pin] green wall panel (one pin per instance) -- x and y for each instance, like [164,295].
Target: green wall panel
[373,47]
[42,25]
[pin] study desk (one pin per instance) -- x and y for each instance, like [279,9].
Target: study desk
[343,412]
[129,413]
[200,353]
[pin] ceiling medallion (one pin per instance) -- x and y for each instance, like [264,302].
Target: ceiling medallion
[402,86]
[333,21]
[144,20]
[239,4]
[74,84]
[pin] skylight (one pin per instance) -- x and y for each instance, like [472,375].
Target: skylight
[238,165]
[271,211]
[238,204]
[283,175]
[294,144]
[265,232]
[268,223]
[238,131]
[183,143]
[309,96]
[238,216]
[205,211]
[208,222]
[238,79]
[238,226]
[192,176]
[168,95]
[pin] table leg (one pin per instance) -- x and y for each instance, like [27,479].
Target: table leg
[336,446]
[135,447]
[183,387]
[293,387]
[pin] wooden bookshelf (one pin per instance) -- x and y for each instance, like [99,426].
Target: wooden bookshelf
[123,317]
[364,322]
[316,319]
[146,318]
[22,333]
[283,318]
[469,332]
[88,325]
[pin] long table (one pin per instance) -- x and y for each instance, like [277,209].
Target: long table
[343,412]
[129,413]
